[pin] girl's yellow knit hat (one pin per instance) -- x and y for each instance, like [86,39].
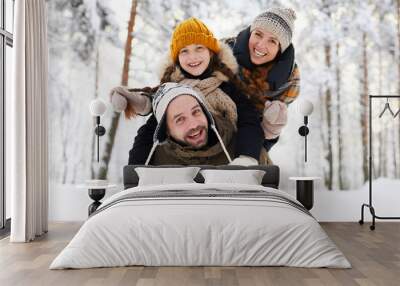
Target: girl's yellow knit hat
[192,31]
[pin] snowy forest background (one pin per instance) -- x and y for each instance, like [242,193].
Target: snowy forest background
[345,50]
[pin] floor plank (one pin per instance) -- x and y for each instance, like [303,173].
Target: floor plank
[374,255]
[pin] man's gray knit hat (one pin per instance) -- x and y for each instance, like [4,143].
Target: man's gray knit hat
[278,21]
[162,98]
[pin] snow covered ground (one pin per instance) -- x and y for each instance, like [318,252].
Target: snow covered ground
[69,203]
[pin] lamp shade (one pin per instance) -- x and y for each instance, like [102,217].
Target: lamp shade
[97,107]
[306,107]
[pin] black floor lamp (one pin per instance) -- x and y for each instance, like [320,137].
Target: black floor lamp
[370,205]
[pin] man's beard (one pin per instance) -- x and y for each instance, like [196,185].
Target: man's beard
[187,144]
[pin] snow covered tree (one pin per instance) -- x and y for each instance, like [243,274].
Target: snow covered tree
[75,28]
[105,159]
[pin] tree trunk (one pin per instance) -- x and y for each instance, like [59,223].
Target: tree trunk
[394,147]
[364,108]
[382,161]
[376,160]
[105,159]
[327,181]
[328,105]
[398,72]
[94,136]
[381,142]
[342,185]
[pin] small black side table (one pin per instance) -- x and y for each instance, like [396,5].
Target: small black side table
[305,190]
[96,193]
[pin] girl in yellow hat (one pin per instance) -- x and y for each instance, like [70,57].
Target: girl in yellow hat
[198,59]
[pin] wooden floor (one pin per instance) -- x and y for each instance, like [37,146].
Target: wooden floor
[374,255]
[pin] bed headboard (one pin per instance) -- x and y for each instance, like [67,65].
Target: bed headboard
[270,179]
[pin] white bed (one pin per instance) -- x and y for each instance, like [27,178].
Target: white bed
[222,225]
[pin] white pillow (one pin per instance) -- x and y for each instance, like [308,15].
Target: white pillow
[248,177]
[163,176]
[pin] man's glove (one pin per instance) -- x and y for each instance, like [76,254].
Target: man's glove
[121,97]
[243,160]
[274,118]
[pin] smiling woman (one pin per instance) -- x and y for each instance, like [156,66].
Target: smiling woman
[267,66]
[263,46]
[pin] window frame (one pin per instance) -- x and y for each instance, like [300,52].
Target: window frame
[6,39]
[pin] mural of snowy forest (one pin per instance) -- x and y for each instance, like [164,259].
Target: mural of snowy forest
[345,49]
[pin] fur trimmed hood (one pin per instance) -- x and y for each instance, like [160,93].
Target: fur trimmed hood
[225,55]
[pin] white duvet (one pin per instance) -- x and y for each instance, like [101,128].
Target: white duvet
[180,231]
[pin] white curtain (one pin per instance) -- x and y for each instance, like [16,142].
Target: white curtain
[26,118]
